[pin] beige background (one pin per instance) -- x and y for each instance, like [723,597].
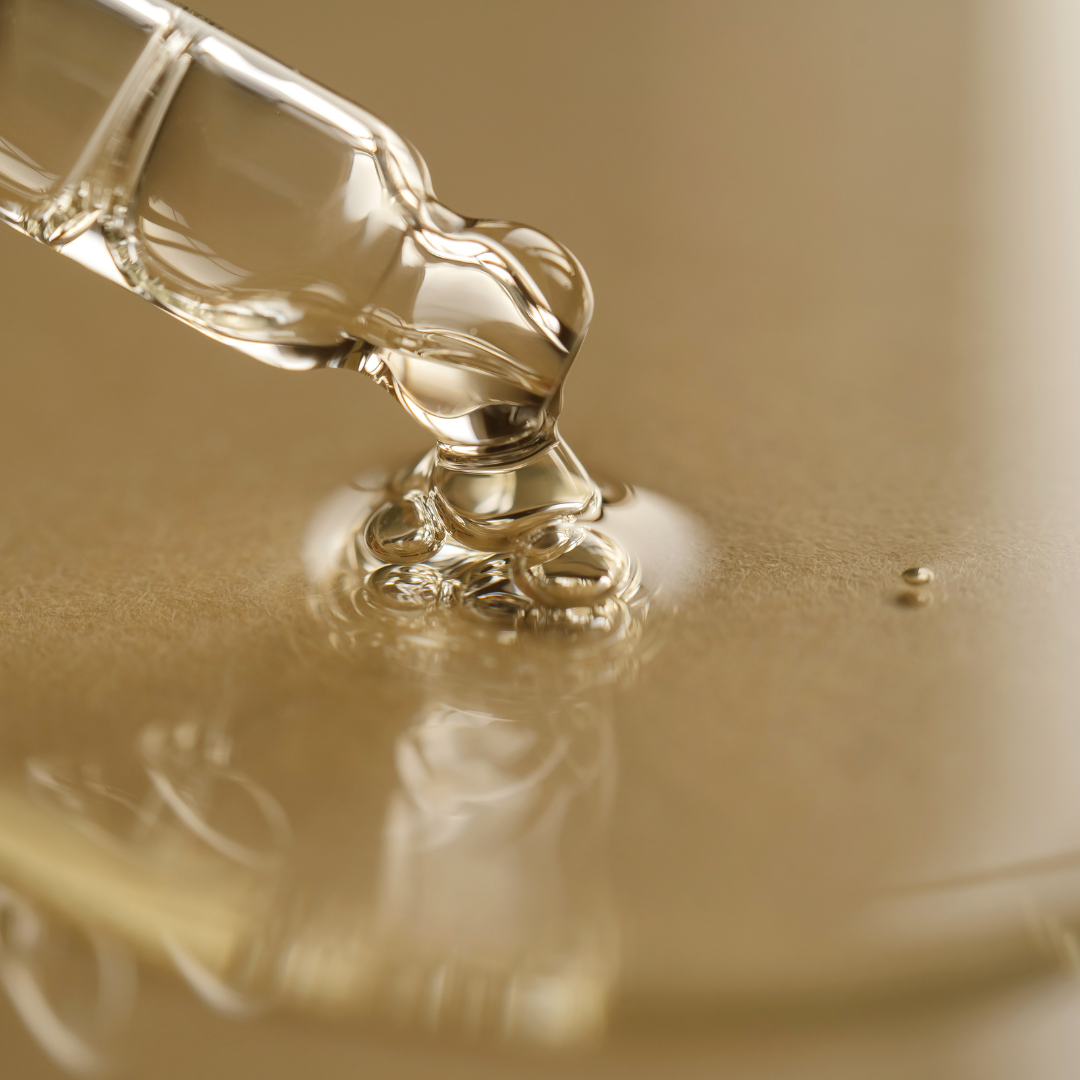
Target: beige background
[833,246]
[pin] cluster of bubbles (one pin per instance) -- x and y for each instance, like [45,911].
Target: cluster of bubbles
[563,598]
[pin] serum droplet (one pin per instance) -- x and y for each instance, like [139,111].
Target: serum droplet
[918,575]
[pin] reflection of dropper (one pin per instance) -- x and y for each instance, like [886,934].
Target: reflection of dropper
[503,779]
[493,916]
[275,216]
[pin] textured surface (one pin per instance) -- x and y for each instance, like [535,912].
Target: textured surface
[842,330]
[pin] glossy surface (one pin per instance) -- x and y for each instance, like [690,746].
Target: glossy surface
[769,847]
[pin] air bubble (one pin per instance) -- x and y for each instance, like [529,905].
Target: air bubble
[569,566]
[488,592]
[405,588]
[406,530]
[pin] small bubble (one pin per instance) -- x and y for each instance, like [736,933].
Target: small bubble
[911,598]
[918,575]
[405,588]
[488,593]
[405,530]
[569,566]
[502,607]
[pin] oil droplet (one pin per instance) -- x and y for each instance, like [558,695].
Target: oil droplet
[569,566]
[405,530]
[918,575]
[912,599]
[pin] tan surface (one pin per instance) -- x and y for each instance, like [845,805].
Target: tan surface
[833,248]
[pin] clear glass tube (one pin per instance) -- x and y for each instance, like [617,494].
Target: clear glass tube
[275,216]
